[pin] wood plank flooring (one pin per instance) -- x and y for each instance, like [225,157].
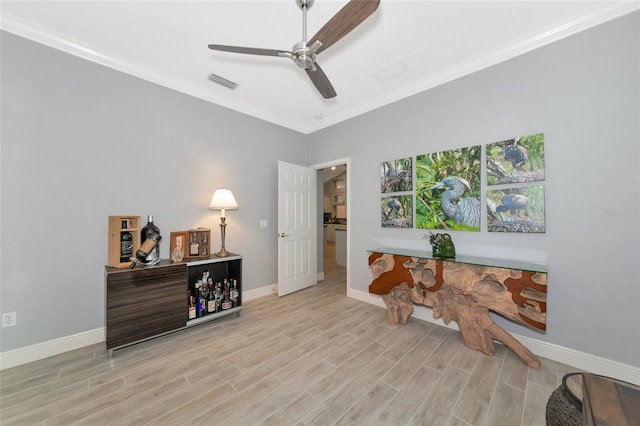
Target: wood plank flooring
[314,357]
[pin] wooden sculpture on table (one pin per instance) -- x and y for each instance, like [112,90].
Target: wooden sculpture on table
[464,293]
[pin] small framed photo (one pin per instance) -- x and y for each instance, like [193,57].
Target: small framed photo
[178,244]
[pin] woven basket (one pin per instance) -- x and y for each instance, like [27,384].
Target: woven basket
[563,407]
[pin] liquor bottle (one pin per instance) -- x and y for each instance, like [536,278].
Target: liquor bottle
[226,302]
[204,294]
[211,300]
[146,247]
[191,305]
[203,301]
[236,293]
[230,292]
[196,299]
[218,296]
[150,229]
[194,248]
[126,246]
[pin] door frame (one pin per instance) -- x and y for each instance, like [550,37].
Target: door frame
[325,165]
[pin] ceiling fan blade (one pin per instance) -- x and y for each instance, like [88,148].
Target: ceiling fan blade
[349,17]
[320,80]
[250,50]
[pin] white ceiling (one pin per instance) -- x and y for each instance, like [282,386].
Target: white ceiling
[166,42]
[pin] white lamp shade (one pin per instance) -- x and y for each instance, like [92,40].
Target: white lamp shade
[223,199]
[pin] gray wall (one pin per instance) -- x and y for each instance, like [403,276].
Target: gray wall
[583,93]
[81,142]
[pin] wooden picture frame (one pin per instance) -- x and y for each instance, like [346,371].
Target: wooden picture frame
[178,240]
[198,244]
[195,243]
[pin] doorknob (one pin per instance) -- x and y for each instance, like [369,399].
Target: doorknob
[283,235]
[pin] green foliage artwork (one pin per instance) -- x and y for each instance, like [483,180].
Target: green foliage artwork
[396,175]
[516,209]
[516,160]
[448,190]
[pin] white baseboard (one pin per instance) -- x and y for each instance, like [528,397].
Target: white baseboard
[259,292]
[581,360]
[39,351]
[574,358]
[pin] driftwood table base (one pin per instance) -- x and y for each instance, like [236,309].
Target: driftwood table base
[464,293]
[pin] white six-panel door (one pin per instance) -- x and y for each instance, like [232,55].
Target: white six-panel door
[297,218]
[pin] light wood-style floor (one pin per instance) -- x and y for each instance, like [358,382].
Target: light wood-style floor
[314,357]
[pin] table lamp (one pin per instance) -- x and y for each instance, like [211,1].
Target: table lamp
[223,200]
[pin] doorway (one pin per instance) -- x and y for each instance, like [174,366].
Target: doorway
[333,234]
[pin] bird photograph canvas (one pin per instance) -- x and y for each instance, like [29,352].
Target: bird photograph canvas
[516,160]
[396,175]
[516,210]
[397,211]
[448,189]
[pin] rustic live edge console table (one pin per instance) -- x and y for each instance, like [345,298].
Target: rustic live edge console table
[464,290]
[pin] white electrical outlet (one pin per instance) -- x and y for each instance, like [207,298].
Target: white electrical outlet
[9,319]
[263,223]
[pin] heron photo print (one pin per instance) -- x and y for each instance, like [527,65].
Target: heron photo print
[448,190]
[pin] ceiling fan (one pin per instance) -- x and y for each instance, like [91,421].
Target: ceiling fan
[304,52]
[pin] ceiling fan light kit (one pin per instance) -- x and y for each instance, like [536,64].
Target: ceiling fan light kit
[304,52]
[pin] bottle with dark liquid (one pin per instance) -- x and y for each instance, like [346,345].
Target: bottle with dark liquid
[226,300]
[126,246]
[146,247]
[218,296]
[236,293]
[211,300]
[198,300]
[204,291]
[150,229]
[191,305]
[203,301]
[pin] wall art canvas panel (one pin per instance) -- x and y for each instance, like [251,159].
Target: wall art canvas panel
[448,190]
[516,160]
[516,210]
[397,211]
[396,175]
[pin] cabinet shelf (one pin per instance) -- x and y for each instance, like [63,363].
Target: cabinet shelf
[214,316]
[148,302]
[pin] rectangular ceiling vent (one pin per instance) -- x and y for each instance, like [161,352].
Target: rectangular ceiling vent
[391,71]
[223,81]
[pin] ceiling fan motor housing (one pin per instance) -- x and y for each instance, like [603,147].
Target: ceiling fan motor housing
[303,56]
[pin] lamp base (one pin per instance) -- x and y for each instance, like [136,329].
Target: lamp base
[222,253]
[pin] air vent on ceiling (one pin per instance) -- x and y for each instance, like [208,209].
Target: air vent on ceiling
[391,71]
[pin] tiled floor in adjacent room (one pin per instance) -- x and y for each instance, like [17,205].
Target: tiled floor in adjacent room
[314,357]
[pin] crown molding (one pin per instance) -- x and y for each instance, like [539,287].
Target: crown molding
[591,18]
[30,31]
